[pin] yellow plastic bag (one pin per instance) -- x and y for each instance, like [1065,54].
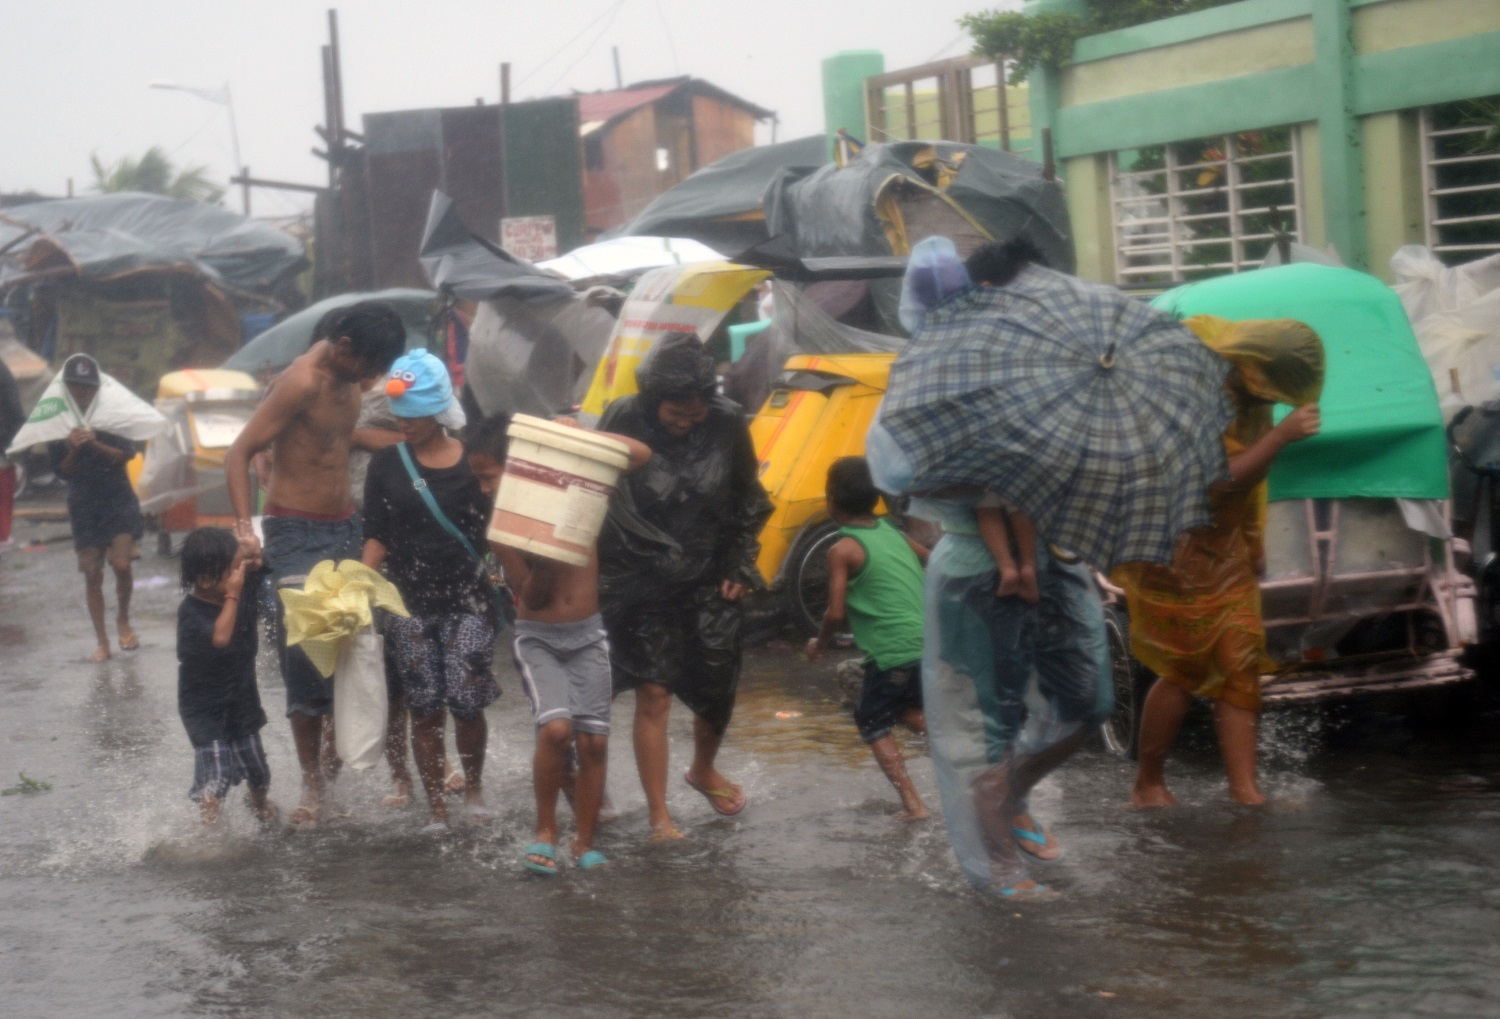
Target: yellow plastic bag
[336,602]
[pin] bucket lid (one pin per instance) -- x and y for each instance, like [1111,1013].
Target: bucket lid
[575,440]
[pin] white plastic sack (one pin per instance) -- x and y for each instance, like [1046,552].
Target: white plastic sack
[113,409]
[359,700]
[1456,316]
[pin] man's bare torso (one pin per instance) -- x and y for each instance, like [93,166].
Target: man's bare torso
[310,457]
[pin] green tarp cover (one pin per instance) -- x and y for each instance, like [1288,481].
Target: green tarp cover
[1382,431]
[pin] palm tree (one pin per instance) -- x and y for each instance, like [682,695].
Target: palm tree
[153,173]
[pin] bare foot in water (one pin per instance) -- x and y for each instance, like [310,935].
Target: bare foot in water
[128,639]
[1151,796]
[1251,797]
[400,799]
[911,815]
[101,655]
[455,783]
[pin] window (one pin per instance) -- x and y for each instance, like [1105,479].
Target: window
[1192,209]
[1461,178]
[593,152]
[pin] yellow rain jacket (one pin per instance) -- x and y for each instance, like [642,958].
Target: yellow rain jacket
[1197,623]
[337,601]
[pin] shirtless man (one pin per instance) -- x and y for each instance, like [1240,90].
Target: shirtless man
[307,420]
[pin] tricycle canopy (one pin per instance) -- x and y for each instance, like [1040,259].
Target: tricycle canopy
[1382,430]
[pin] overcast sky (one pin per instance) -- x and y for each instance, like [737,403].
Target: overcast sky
[74,76]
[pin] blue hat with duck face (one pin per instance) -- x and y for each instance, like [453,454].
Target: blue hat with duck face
[419,386]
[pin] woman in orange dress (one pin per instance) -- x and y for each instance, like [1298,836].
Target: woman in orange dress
[1197,623]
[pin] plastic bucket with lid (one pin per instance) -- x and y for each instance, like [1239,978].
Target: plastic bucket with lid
[555,491]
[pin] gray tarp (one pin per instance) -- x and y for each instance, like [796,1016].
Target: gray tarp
[103,235]
[534,357]
[832,211]
[279,345]
[706,204]
[468,267]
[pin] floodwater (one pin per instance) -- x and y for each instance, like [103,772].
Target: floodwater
[1370,888]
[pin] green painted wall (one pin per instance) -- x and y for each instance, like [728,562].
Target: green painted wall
[1092,216]
[844,77]
[1393,187]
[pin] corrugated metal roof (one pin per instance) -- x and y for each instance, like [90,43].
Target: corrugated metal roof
[605,106]
[596,109]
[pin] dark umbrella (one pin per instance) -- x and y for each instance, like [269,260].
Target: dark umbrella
[1097,416]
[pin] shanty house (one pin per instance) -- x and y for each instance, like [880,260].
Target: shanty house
[641,140]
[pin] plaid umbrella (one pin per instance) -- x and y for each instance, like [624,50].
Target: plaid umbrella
[1097,416]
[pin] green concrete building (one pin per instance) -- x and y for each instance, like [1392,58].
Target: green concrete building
[1365,125]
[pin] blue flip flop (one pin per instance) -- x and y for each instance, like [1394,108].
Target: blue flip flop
[1037,837]
[592,859]
[545,850]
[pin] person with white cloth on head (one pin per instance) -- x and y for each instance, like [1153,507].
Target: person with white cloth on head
[425,522]
[91,424]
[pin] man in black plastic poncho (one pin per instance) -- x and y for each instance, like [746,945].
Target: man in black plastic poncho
[676,555]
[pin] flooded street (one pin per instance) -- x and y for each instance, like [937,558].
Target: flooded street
[1371,887]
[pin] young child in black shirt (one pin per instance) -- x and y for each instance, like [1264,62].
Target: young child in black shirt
[216,693]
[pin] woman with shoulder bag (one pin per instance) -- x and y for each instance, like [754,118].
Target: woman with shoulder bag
[425,520]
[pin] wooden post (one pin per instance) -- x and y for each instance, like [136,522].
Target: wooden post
[336,65]
[505,83]
[245,188]
[1049,165]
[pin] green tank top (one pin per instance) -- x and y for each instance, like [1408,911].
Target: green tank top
[884,599]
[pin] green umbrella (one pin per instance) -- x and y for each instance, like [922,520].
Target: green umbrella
[279,345]
[1382,430]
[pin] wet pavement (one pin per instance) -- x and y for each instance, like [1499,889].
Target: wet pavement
[1371,887]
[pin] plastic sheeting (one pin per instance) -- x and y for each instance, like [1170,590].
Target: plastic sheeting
[1382,431]
[1456,316]
[626,256]
[105,235]
[673,299]
[289,339]
[533,357]
[892,196]
[469,267]
[113,409]
[336,602]
[720,205]
[798,326]
[694,511]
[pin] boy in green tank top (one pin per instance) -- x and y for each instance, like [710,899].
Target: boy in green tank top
[875,584]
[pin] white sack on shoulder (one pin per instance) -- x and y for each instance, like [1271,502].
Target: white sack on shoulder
[114,409]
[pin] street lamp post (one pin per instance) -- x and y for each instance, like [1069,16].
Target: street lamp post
[220,97]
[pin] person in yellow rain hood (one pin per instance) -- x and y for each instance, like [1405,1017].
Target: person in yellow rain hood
[1197,623]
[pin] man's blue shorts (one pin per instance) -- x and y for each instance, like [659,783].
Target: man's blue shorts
[293,546]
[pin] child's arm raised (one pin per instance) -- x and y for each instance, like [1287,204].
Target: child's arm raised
[845,555]
[224,625]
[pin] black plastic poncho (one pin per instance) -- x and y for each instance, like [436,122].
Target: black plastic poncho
[694,512]
[677,528]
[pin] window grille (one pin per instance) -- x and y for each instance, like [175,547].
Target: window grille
[1204,207]
[1461,178]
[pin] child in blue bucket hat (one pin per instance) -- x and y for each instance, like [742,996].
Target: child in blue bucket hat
[425,522]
